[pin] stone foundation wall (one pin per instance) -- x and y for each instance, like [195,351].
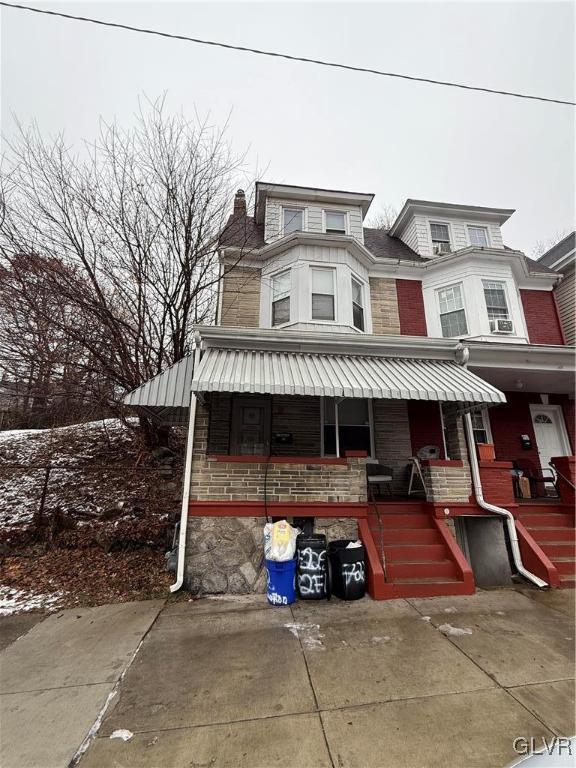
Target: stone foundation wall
[226,554]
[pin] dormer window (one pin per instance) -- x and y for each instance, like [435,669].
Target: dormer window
[323,304]
[335,223]
[281,284]
[357,305]
[478,236]
[293,220]
[440,237]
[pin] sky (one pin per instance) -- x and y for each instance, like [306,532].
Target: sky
[313,126]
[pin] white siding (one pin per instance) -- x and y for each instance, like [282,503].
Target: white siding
[313,217]
[566,298]
[416,234]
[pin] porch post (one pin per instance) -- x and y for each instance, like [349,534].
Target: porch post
[337,435]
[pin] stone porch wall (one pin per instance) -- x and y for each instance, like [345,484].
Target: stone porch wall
[447,481]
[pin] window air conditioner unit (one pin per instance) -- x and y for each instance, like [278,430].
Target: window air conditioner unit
[501,326]
[440,249]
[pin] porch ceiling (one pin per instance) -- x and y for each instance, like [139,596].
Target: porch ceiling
[554,382]
[290,373]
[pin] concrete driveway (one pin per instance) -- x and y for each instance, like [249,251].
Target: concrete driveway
[435,682]
[56,678]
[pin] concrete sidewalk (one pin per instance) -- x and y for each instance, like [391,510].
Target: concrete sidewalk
[56,678]
[422,683]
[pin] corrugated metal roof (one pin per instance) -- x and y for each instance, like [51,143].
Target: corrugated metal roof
[286,373]
[171,388]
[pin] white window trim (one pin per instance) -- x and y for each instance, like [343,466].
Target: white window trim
[440,313]
[486,423]
[478,226]
[335,294]
[444,224]
[362,285]
[302,208]
[343,213]
[506,297]
[271,279]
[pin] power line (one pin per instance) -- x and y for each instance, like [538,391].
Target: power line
[287,56]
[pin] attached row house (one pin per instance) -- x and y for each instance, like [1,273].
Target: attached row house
[429,357]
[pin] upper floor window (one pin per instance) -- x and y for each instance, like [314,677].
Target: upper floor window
[323,304]
[440,237]
[452,314]
[478,236]
[281,298]
[335,222]
[293,220]
[357,305]
[496,304]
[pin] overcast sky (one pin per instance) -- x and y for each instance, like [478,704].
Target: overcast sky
[327,128]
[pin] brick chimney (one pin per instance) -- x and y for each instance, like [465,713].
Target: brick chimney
[240,203]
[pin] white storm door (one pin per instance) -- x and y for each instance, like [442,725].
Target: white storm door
[551,437]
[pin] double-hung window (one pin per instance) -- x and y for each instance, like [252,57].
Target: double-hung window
[293,220]
[335,222]
[323,304]
[478,236]
[281,298]
[357,305]
[496,304]
[440,234]
[452,314]
[481,426]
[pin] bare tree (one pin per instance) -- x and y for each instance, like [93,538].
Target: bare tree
[542,246]
[383,218]
[124,237]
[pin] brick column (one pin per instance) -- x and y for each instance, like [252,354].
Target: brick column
[566,466]
[496,482]
[446,480]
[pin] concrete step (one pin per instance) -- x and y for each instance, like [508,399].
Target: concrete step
[410,552]
[434,569]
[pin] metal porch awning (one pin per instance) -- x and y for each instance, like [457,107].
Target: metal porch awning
[296,373]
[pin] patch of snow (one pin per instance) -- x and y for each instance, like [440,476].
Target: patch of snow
[308,634]
[450,631]
[425,618]
[18,601]
[384,639]
[451,610]
[122,733]
[501,613]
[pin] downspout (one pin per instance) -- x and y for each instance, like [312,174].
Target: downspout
[187,474]
[493,508]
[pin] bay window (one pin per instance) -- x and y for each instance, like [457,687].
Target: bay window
[357,305]
[323,303]
[281,298]
[452,313]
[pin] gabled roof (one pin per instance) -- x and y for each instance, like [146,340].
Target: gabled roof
[561,253]
[242,232]
[383,246]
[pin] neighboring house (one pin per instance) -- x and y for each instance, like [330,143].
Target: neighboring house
[336,342]
[562,257]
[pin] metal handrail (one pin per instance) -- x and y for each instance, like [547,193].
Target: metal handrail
[569,482]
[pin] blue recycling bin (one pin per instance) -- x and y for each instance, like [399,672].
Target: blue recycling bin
[281,582]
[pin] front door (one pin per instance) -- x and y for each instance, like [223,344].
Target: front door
[550,432]
[250,426]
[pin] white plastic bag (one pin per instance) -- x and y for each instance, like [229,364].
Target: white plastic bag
[280,541]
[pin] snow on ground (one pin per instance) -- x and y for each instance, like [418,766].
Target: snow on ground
[18,601]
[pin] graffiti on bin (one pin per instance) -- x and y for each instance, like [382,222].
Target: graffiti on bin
[353,572]
[277,599]
[311,571]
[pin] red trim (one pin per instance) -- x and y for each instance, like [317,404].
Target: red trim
[463,508]
[356,454]
[534,558]
[442,463]
[276,459]
[277,509]
[376,583]
[457,556]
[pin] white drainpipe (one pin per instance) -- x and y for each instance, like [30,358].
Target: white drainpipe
[493,508]
[186,489]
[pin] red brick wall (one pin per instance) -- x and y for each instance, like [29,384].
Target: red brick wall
[541,317]
[411,308]
[513,419]
[425,425]
[497,482]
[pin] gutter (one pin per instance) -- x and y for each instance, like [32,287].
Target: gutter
[187,474]
[506,514]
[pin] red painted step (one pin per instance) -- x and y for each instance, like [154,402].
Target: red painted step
[411,520]
[438,570]
[547,520]
[410,552]
[553,534]
[565,565]
[558,548]
[411,536]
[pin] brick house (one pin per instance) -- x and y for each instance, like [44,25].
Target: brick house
[432,349]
